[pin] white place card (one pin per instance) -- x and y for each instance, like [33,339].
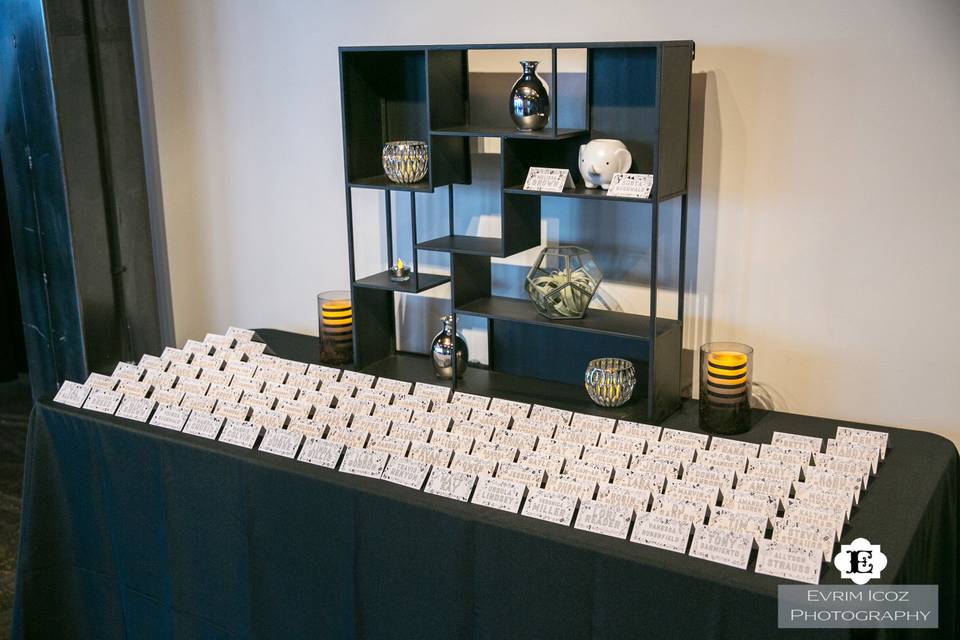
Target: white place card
[332,418]
[152,363]
[450,483]
[103,401]
[796,441]
[327,374]
[735,447]
[396,447]
[171,355]
[170,417]
[594,423]
[788,561]
[322,453]
[407,431]
[547,179]
[202,404]
[692,512]
[198,348]
[854,450]
[352,438]
[773,469]
[456,442]
[751,502]
[473,465]
[620,495]
[510,408]
[499,493]
[308,428]
[432,454]
[376,396]
[357,379]
[204,425]
[550,506]
[281,391]
[605,456]
[396,387]
[530,476]
[753,524]
[232,411]
[393,413]
[624,444]
[804,534]
[838,481]
[232,355]
[281,442]
[224,393]
[721,546]
[295,408]
[551,464]
[184,371]
[648,432]
[550,414]
[512,438]
[668,468]
[127,371]
[480,433]
[471,400]
[416,403]
[305,381]
[668,451]
[663,532]
[821,496]
[684,438]
[842,464]
[246,384]
[715,458]
[490,418]
[631,185]
[193,387]
[136,408]
[534,427]
[376,425]
[406,472]
[607,519]
[595,471]
[240,334]
[364,462]
[771,486]
[817,515]
[652,482]
[433,420]
[723,477]
[164,395]
[452,411]
[693,491]
[292,366]
[864,437]
[102,382]
[220,341]
[355,406]
[269,418]
[252,348]
[785,455]
[131,388]
[72,394]
[495,452]
[568,485]
[586,437]
[271,375]
[434,392]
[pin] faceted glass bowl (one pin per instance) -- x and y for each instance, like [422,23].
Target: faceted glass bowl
[405,161]
[610,381]
[563,281]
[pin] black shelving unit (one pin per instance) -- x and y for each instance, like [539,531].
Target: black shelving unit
[637,92]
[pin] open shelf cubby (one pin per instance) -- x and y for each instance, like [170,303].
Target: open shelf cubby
[636,92]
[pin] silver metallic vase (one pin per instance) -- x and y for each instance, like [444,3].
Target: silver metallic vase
[442,349]
[529,99]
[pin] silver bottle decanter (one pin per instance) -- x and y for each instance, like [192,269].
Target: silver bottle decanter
[442,349]
[529,99]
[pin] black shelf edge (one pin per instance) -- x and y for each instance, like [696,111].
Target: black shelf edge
[601,321]
[506,132]
[516,45]
[382,281]
[383,182]
[472,245]
[588,194]
[414,367]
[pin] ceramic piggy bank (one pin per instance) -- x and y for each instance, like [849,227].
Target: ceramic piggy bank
[600,159]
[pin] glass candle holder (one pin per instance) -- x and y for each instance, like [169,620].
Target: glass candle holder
[610,381]
[336,327]
[726,379]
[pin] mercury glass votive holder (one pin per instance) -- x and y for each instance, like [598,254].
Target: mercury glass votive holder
[336,327]
[726,379]
[405,161]
[610,381]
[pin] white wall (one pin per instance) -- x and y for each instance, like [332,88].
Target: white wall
[826,230]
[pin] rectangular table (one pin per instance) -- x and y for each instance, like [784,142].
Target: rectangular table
[133,531]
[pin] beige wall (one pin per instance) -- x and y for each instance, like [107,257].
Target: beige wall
[827,227]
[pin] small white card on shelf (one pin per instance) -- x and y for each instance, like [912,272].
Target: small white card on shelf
[789,561]
[607,519]
[72,394]
[103,401]
[240,433]
[721,546]
[631,185]
[204,425]
[499,493]
[364,462]
[547,179]
[135,408]
[450,483]
[170,417]
[551,506]
[281,442]
[322,453]
[865,437]
[406,472]
[663,532]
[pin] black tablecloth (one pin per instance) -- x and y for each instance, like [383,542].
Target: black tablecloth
[133,531]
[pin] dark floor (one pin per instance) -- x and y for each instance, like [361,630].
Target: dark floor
[14,409]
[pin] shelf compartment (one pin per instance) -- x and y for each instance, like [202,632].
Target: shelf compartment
[383,182]
[613,323]
[382,281]
[508,132]
[580,191]
[471,245]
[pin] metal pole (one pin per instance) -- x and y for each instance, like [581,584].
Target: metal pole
[413,239]
[654,232]
[388,200]
[553,89]
[682,272]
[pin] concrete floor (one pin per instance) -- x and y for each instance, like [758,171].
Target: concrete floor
[15,404]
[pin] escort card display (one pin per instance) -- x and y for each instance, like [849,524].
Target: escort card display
[717,499]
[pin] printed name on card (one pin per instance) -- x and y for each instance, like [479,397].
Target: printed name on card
[136,408]
[72,394]
[510,408]
[550,506]
[652,482]
[322,453]
[788,561]
[396,447]
[170,417]
[473,465]
[434,392]
[751,502]
[631,185]
[663,532]
[101,382]
[450,483]
[672,507]
[407,431]
[607,519]
[204,425]
[805,534]
[854,450]
[684,438]
[739,521]
[547,179]
[668,451]
[796,441]
[499,493]
[721,546]
[471,400]
[723,477]
[364,462]
[864,437]
[396,387]
[648,432]
[636,499]
[240,433]
[406,472]
[652,464]
[130,388]
[594,423]
[281,442]
[693,491]
[359,380]
[551,464]
[567,450]
[735,447]
[842,464]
